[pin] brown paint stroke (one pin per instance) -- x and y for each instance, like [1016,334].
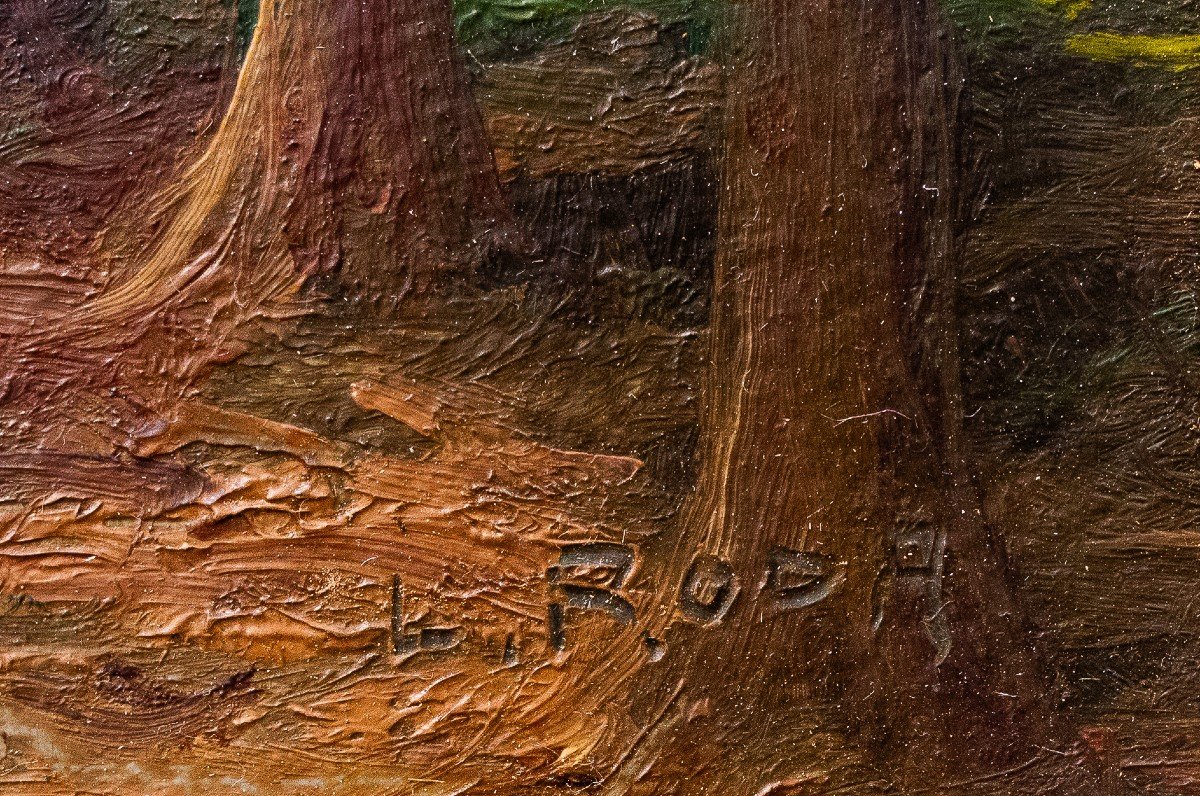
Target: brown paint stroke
[254,216]
[832,429]
[613,98]
[832,424]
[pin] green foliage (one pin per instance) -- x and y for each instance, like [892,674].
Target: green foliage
[1173,52]
[1162,33]
[1007,22]
[247,18]
[497,22]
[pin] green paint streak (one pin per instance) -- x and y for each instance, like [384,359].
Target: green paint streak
[481,21]
[991,23]
[1174,52]
[1070,9]
[247,18]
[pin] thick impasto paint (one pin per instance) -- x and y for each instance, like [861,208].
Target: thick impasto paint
[738,397]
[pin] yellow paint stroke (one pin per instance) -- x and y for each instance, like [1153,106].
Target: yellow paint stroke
[1070,9]
[1174,52]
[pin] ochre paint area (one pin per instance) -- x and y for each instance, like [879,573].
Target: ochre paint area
[1070,9]
[1176,52]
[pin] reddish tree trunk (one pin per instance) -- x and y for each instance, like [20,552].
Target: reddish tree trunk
[401,137]
[833,462]
[351,141]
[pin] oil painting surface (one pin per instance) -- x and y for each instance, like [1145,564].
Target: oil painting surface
[739,397]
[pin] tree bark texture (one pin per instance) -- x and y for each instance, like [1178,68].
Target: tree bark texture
[342,111]
[832,452]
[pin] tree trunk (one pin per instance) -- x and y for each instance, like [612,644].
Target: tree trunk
[833,462]
[345,114]
[340,108]
[403,139]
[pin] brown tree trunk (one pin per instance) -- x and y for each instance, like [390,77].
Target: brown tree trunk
[401,138]
[836,497]
[352,122]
